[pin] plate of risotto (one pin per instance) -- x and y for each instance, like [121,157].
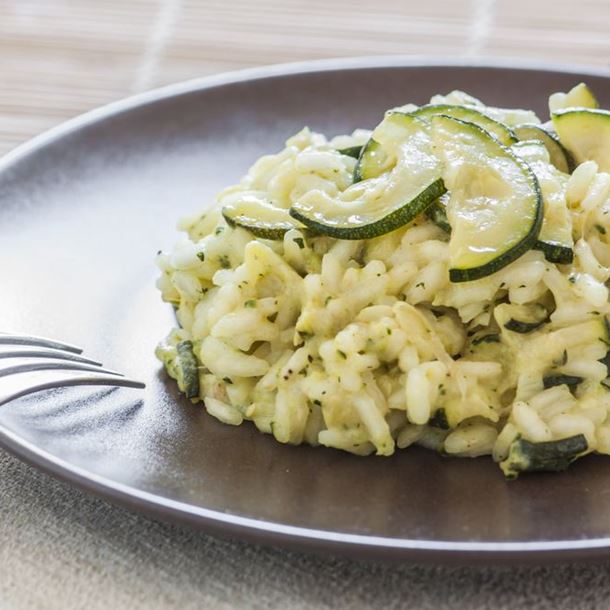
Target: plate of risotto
[369,299]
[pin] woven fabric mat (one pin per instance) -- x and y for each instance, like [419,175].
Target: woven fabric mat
[61,549]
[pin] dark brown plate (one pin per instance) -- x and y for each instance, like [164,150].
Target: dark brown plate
[84,208]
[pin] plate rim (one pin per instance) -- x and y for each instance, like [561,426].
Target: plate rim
[265,531]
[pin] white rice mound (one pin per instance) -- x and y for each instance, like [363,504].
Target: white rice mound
[366,346]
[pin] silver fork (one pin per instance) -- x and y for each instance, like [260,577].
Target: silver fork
[36,363]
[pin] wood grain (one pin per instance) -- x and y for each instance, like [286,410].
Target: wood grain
[62,57]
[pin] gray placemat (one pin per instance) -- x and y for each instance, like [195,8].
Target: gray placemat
[63,549]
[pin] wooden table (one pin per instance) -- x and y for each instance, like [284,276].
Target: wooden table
[59,58]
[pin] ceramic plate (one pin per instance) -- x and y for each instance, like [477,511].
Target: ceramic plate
[83,210]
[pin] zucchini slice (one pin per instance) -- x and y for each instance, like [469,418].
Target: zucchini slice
[522,318]
[351,151]
[570,380]
[437,213]
[579,96]
[501,132]
[555,239]
[260,217]
[552,456]
[586,134]
[378,205]
[439,420]
[495,209]
[372,161]
[187,369]
[559,156]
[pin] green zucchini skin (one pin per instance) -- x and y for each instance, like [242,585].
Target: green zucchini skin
[272,232]
[558,154]
[499,131]
[585,132]
[550,456]
[492,338]
[555,253]
[261,219]
[394,220]
[187,369]
[517,326]
[437,214]
[351,151]
[554,380]
[371,161]
[439,420]
[527,241]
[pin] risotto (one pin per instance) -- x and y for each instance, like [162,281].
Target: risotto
[438,281]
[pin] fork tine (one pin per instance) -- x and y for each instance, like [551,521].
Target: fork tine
[40,352]
[54,365]
[72,380]
[13,339]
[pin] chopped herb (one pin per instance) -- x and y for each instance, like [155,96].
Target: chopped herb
[309,358]
[388,331]
[317,402]
[223,261]
[572,279]
[272,317]
[601,229]
[327,301]
[299,241]
[420,285]
[201,256]
[227,380]
[342,354]
[159,252]
[250,303]
[219,230]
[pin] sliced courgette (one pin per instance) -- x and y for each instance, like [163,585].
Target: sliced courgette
[378,205]
[523,318]
[372,161]
[552,456]
[555,238]
[586,134]
[351,151]
[260,217]
[187,369]
[501,132]
[437,213]
[495,209]
[579,96]
[553,380]
[559,156]
[490,338]
[439,420]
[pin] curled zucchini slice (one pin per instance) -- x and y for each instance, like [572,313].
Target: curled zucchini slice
[558,155]
[260,217]
[552,456]
[498,130]
[495,209]
[586,134]
[555,238]
[437,213]
[402,185]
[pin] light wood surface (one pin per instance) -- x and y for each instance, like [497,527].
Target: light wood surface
[59,58]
